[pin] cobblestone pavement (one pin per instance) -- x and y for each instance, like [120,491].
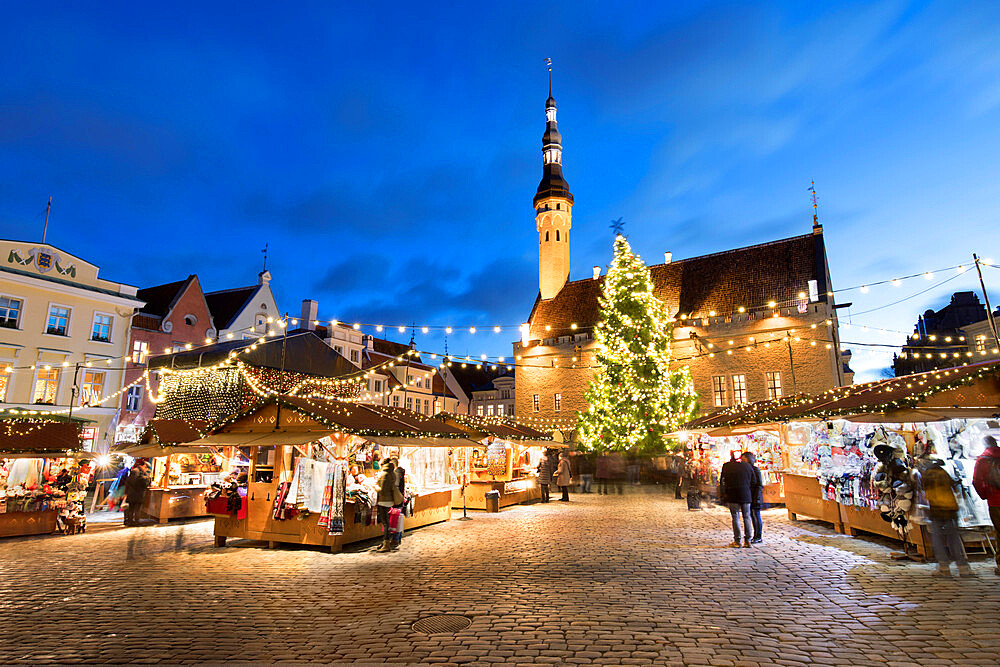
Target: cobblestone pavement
[634,579]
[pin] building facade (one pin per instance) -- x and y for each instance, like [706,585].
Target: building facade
[175,318]
[751,323]
[244,313]
[957,334]
[64,334]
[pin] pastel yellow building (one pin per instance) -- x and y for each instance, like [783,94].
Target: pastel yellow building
[63,336]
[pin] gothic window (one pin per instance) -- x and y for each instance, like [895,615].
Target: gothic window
[557,231]
[546,237]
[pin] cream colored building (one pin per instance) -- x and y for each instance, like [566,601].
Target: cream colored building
[63,336]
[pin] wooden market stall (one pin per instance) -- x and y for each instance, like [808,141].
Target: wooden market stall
[503,459]
[906,408]
[32,452]
[290,437]
[181,474]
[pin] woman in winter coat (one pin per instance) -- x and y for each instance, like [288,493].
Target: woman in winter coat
[386,483]
[986,480]
[545,469]
[564,476]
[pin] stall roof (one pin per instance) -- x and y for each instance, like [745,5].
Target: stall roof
[167,432]
[299,352]
[41,437]
[964,391]
[506,430]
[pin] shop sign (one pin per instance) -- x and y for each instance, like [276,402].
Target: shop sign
[88,434]
[127,433]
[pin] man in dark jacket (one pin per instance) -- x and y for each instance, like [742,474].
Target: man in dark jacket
[545,470]
[734,490]
[756,497]
[135,492]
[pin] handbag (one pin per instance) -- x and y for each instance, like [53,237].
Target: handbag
[395,520]
[397,495]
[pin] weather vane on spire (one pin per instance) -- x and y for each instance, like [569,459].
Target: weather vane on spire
[618,227]
[264,250]
[812,189]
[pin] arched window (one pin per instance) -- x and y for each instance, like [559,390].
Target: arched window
[190,320]
[557,235]
[546,237]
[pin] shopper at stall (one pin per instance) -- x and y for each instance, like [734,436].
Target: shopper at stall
[63,479]
[734,490]
[564,476]
[756,497]
[986,480]
[136,485]
[545,469]
[388,492]
[397,533]
[939,489]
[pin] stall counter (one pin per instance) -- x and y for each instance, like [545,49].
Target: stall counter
[175,502]
[28,523]
[514,492]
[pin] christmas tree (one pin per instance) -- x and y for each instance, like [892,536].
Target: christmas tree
[635,398]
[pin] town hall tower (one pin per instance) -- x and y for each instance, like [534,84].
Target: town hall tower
[553,209]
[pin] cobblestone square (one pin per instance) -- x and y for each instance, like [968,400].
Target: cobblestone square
[632,579]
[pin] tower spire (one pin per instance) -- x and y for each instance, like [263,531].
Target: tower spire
[816,226]
[549,63]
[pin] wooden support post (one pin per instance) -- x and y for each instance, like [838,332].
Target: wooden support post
[220,540]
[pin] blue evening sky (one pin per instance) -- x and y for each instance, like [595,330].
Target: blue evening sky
[389,155]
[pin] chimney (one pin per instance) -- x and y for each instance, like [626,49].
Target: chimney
[597,272]
[310,309]
[668,257]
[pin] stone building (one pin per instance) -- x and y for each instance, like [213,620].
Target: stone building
[751,323]
[957,334]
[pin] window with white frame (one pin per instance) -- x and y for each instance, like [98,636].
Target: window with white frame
[395,401]
[46,384]
[534,402]
[58,322]
[510,409]
[92,388]
[479,410]
[4,383]
[409,402]
[355,356]
[376,385]
[133,399]
[140,351]
[427,406]
[740,388]
[436,408]
[557,401]
[773,384]
[10,312]
[980,342]
[339,349]
[489,410]
[101,331]
[719,389]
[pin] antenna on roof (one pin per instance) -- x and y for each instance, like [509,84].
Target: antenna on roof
[264,250]
[815,202]
[45,229]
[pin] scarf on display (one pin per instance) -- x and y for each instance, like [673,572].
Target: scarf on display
[338,492]
[324,512]
[281,510]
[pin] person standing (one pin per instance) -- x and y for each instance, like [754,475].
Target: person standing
[986,480]
[756,497]
[386,498]
[564,476]
[734,490]
[939,489]
[135,492]
[602,473]
[397,533]
[545,469]
[586,468]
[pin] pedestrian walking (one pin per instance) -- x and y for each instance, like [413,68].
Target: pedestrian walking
[545,469]
[756,497]
[633,469]
[942,512]
[585,465]
[617,474]
[734,490]
[602,473]
[986,480]
[564,476]
[397,527]
[136,485]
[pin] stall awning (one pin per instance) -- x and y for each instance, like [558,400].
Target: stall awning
[173,431]
[262,438]
[39,437]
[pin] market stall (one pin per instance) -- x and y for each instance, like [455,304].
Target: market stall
[853,456]
[707,453]
[313,464]
[43,480]
[504,460]
[181,474]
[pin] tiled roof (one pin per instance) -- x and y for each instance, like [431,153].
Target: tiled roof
[390,348]
[148,322]
[160,298]
[440,388]
[374,359]
[472,378]
[723,281]
[225,305]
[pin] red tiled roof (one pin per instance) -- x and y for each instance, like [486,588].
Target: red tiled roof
[723,281]
[160,298]
[148,322]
